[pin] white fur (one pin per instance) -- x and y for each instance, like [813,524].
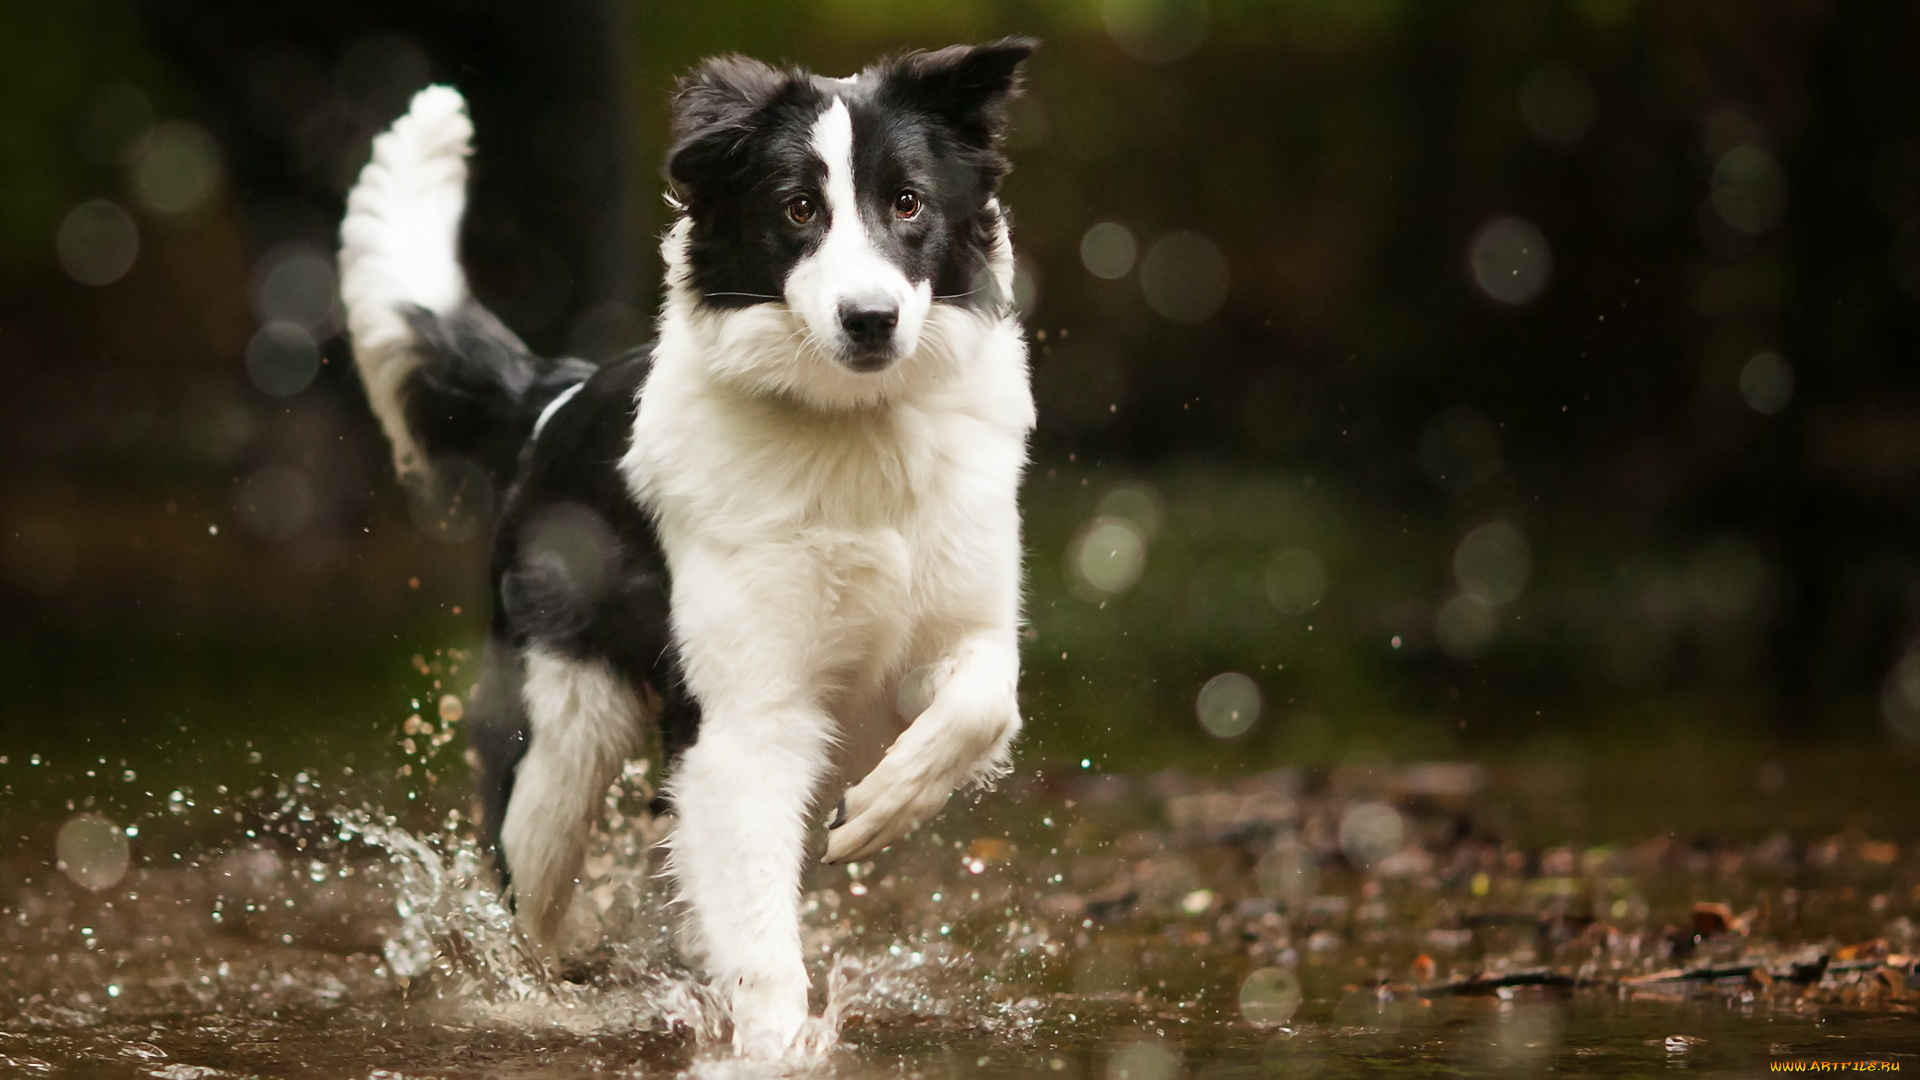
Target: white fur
[829,533]
[845,555]
[583,722]
[399,246]
[559,402]
[845,267]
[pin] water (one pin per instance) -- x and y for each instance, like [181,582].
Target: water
[1072,926]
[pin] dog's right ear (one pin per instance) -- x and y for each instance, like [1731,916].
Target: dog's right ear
[713,107]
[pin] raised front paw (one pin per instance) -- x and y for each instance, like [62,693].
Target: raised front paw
[891,802]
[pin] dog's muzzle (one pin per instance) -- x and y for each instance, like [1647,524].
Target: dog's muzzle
[867,326]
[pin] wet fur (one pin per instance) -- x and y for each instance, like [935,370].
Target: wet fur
[792,545]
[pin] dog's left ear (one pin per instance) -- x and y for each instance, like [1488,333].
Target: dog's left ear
[968,86]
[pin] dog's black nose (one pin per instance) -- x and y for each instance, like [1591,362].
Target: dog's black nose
[868,322]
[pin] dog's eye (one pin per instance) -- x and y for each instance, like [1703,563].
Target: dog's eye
[800,210]
[906,205]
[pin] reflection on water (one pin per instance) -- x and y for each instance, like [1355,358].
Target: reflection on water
[1073,925]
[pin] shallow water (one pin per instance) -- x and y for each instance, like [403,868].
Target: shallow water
[1354,921]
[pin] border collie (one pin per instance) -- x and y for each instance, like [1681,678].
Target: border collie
[786,533]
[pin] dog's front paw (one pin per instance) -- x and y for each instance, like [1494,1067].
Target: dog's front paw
[768,1017]
[891,802]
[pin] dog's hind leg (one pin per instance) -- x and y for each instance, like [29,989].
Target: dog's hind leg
[584,721]
[742,793]
[496,736]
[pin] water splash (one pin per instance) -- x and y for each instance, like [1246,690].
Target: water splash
[462,961]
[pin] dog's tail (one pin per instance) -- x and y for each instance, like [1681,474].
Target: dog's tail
[446,379]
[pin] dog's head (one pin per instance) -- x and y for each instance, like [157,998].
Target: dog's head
[846,210]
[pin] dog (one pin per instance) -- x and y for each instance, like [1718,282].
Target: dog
[786,534]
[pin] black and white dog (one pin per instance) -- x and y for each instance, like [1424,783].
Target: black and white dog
[787,534]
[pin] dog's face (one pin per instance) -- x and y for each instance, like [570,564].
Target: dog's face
[855,206]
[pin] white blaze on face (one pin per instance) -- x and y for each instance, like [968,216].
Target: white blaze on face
[847,269]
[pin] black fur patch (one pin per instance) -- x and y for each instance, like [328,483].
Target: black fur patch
[477,390]
[577,566]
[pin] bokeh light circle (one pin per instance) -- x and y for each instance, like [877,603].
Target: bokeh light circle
[1289,871]
[275,503]
[1296,581]
[1510,260]
[1900,698]
[1464,627]
[1108,250]
[1138,503]
[1228,705]
[1269,997]
[1147,1059]
[1492,564]
[114,126]
[1749,189]
[295,284]
[1766,383]
[282,359]
[1185,277]
[1108,555]
[92,851]
[1026,286]
[1156,31]
[97,242]
[1371,831]
[178,169]
[1557,102]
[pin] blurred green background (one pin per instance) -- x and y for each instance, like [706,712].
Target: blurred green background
[1530,381]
